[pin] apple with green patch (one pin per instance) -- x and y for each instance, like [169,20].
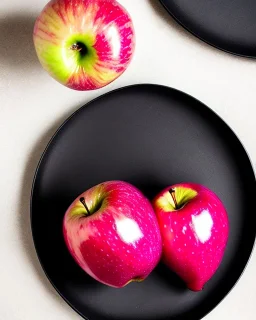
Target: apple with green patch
[84,44]
[112,233]
[194,228]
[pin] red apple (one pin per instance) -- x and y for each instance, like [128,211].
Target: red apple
[84,44]
[112,232]
[194,228]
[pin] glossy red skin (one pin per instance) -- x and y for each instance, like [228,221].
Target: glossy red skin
[183,252]
[98,245]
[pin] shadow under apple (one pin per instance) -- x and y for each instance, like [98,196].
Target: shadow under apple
[16,38]
[164,274]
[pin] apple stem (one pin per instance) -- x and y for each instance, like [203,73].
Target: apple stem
[80,47]
[76,47]
[172,192]
[82,200]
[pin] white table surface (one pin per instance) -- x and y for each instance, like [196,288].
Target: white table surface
[32,106]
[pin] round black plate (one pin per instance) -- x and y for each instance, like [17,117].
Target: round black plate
[225,24]
[151,136]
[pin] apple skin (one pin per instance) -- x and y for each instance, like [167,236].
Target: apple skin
[194,236]
[120,242]
[84,44]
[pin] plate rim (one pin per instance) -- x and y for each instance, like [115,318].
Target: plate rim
[102,96]
[202,39]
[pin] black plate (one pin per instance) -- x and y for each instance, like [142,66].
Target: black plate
[151,136]
[229,25]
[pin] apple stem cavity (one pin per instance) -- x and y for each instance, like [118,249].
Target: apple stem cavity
[80,47]
[82,200]
[172,192]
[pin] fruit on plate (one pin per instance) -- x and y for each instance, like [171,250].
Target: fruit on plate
[194,228]
[84,44]
[112,232]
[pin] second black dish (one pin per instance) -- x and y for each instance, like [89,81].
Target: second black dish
[227,25]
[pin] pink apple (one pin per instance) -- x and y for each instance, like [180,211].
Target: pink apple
[112,232]
[84,44]
[194,228]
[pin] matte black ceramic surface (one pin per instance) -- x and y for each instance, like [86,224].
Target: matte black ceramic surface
[229,25]
[151,136]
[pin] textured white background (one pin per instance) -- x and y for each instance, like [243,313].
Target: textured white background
[32,106]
